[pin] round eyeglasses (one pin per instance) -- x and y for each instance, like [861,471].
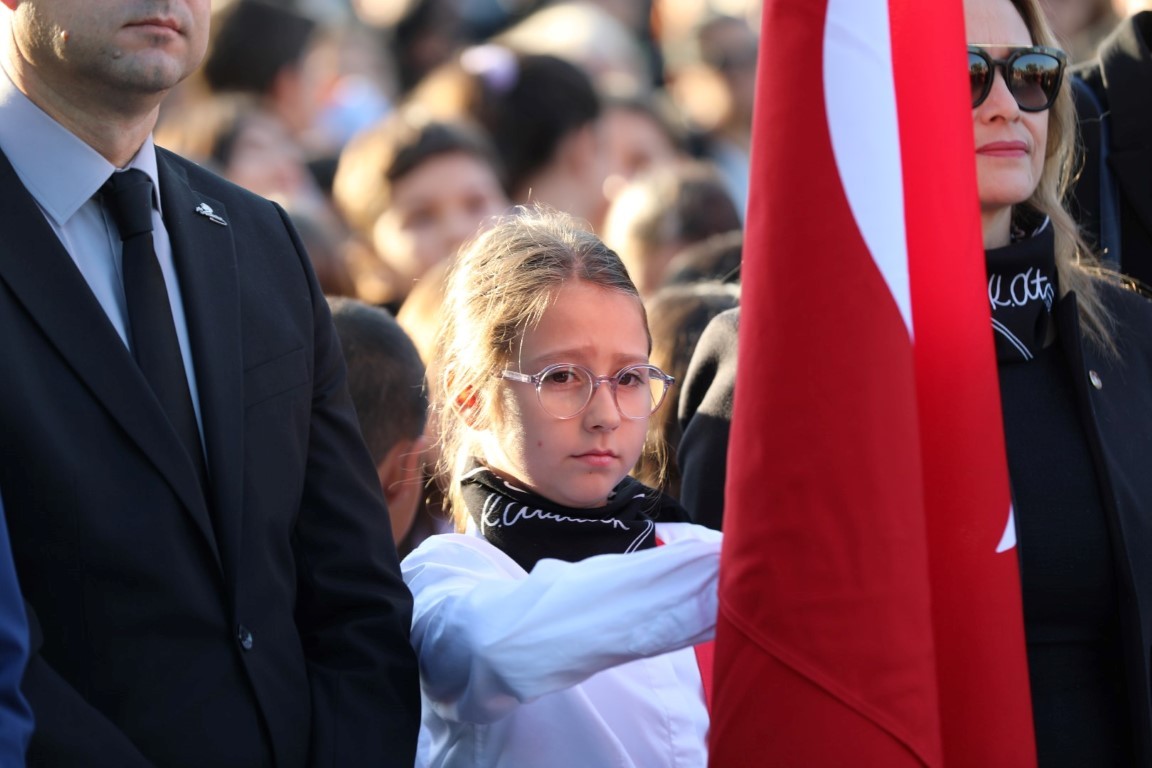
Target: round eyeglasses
[1032,74]
[565,389]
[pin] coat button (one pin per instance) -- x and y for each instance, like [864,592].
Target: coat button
[244,637]
[1095,379]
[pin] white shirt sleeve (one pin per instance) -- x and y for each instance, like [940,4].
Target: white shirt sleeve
[490,636]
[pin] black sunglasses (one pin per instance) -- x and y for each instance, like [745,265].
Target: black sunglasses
[1033,75]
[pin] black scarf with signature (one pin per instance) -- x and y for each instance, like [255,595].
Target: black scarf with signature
[527,527]
[1022,290]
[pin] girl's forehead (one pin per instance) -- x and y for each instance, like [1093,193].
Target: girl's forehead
[591,321]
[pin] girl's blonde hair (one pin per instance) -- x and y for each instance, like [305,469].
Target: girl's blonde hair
[500,287]
[1077,266]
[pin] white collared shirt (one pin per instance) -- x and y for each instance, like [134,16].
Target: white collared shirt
[62,173]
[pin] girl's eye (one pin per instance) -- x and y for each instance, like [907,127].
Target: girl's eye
[633,378]
[564,376]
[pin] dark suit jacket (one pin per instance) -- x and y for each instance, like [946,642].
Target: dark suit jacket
[1121,79]
[15,716]
[265,625]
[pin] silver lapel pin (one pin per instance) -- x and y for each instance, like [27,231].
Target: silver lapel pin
[206,210]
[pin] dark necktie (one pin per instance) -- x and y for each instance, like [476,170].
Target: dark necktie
[152,332]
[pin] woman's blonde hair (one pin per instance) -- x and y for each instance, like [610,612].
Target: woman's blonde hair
[1077,266]
[499,287]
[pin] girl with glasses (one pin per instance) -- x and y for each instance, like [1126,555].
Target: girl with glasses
[559,626]
[1074,352]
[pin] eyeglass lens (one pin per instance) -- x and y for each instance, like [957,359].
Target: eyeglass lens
[1032,78]
[565,391]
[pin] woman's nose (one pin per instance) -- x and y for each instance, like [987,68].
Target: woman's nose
[1000,99]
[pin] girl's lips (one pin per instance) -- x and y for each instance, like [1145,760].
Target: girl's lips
[1004,149]
[597,458]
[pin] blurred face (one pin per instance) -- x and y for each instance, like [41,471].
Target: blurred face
[634,143]
[1010,143]
[575,462]
[266,161]
[730,48]
[109,49]
[1069,17]
[440,204]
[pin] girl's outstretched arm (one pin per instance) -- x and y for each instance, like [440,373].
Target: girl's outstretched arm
[490,636]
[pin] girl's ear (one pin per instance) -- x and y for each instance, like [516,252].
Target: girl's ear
[468,405]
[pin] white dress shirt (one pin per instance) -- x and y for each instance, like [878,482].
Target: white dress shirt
[63,174]
[570,666]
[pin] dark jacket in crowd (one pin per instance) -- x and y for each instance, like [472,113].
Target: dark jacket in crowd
[706,420]
[1114,395]
[1120,79]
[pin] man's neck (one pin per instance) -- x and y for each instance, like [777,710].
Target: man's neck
[116,128]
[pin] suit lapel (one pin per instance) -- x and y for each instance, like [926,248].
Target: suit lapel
[47,283]
[205,258]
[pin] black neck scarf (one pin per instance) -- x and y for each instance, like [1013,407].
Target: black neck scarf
[1022,290]
[527,527]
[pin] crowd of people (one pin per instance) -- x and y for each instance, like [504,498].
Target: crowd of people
[374,362]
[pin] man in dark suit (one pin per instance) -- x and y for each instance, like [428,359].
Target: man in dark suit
[205,557]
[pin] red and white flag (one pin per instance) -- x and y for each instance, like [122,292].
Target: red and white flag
[870,600]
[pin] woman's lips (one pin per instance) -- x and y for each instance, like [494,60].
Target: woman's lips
[1003,149]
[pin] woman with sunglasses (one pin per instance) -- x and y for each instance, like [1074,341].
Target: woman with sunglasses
[1074,349]
[558,627]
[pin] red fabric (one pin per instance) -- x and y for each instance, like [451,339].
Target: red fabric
[982,668]
[866,618]
[705,655]
[705,652]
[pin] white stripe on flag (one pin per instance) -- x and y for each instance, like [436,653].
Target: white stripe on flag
[860,99]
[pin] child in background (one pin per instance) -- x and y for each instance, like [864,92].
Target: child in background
[555,630]
[386,383]
[415,189]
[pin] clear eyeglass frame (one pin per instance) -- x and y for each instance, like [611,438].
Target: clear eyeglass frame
[658,385]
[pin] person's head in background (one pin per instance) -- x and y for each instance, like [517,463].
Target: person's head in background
[542,114]
[261,47]
[416,188]
[386,382]
[715,258]
[1080,25]
[641,132]
[589,36]
[711,78]
[328,249]
[661,213]
[231,134]
[677,315]
[419,35]
[728,45]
